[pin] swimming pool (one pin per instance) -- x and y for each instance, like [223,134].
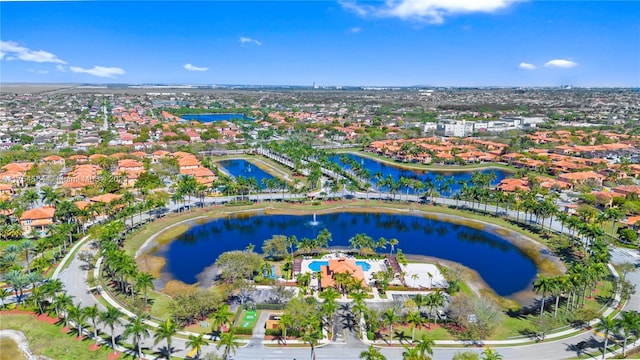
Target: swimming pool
[316,264]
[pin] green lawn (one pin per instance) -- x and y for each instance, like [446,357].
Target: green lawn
[48,340]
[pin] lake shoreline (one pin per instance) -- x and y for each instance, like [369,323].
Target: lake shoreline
[523,243]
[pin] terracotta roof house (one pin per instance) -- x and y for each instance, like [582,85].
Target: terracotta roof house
[6,191]
[581,177]
[37,220]
[624,190]
[201,174]
[511,185]
[105,198]
[80,159]
[338,266]
[54,160]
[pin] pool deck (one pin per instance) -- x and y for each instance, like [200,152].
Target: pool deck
[374,265]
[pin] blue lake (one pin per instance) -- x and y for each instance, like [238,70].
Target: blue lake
[239,167]
[423,175]
[503,266]
[215,117]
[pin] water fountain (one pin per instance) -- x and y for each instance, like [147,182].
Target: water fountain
[314,222]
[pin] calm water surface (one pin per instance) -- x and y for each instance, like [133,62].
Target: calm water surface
[239,167]
[423,175]
[502,266]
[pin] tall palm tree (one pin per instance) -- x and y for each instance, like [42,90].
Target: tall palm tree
[139,330]
[372,353]
[221,317]
[196,343]
[628,321]
[542,285]
[415,321]
[390,317]
[144,281]
[27,246]
[606,324]
[111,318]
[61,302]
[228,341]
[166,330]
[92,313]
[77,315]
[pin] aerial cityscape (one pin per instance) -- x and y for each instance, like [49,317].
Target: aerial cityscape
[409,179]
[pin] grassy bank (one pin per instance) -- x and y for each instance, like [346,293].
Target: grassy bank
[48,340]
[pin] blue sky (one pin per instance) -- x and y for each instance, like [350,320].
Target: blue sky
[398,42]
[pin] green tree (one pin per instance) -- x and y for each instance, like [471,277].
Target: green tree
[372,353]
[166,330]
[111,318]
[196,343]
[228,341]
[139,330]
[607,325]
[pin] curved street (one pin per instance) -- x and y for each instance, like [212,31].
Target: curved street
[74,278]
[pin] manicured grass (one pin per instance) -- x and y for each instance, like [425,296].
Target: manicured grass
[48,340]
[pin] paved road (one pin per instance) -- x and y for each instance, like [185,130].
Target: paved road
[74,278]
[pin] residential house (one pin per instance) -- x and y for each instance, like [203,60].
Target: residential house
[37,220]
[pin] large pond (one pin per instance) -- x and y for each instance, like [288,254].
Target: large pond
[215,117]
[503,266]
[239,167]
[424,175]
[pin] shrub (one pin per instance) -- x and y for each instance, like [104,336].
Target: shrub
[239,330]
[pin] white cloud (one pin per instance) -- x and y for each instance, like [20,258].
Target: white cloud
[101,71]
[38,71]
[430,11]
[191,67]
[246,40]
[561,64]
[355,30]
[526,66]
[61,68]
[14,50]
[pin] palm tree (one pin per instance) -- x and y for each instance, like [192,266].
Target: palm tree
[77,314]
[111,318]
[372,353]
[27,246]
[50,196]
[4,293]
[92,313]
[312,336]
[628,321]
[144,281]
[166,330]
[61,302]
[415,321]
[196,343]
[425,346]
[139,330]
[606,324]
[228,340]
[393,242]
[221,317]
[411,353]
[542,286]
[390,317]
[490,354]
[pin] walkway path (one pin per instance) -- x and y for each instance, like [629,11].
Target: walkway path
[75,276]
